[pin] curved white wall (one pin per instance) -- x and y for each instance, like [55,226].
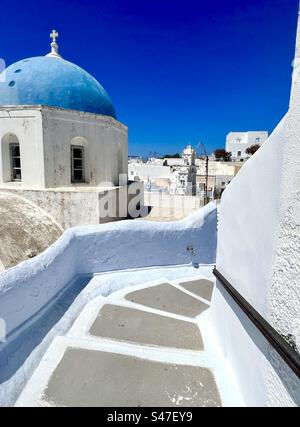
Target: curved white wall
[248,222]
[28,287]
[258,253]
[248,256]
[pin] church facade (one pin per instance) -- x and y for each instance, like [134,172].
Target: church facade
[62,146]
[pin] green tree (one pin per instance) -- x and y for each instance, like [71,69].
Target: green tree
[220,153]
[252,150]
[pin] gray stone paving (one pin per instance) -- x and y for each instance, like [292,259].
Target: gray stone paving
[124,323]
[203,288]
[94,378]
[166,297]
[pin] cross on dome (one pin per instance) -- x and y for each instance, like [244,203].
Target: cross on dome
[54,45]
[54,35]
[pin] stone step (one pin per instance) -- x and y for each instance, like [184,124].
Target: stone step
[202,288]
[168,298]
[95,378]
[141,327]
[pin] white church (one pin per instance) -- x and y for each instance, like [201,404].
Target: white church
[62,147]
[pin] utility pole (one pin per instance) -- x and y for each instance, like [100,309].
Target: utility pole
[206,174]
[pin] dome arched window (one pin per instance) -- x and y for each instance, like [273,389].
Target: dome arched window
[11,158]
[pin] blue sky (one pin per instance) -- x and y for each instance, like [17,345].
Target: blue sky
[178,71]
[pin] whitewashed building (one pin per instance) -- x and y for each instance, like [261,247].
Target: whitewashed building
[238,142]
[184,176]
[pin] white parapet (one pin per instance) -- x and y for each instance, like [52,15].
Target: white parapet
[28,287]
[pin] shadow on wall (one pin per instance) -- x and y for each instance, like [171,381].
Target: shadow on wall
[14,354]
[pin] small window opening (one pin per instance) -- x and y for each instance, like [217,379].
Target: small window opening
[15,160]
[77,163]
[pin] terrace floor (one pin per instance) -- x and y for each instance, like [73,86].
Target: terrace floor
[146,344]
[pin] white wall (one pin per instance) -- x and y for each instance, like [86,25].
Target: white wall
[26,125]
[148,172]
[258,252]
[26,288]
[106,147]
[284,294]
[74,207]
[172,205]
[45,135]
[175,162]
[215,167]
[247,255]
[248,220]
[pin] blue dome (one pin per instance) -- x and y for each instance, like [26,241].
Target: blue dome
[53,82]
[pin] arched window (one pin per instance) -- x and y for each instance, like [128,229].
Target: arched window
[11,158]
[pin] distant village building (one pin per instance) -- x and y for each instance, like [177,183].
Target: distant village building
[175,187]
[184,176]
[238,142]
